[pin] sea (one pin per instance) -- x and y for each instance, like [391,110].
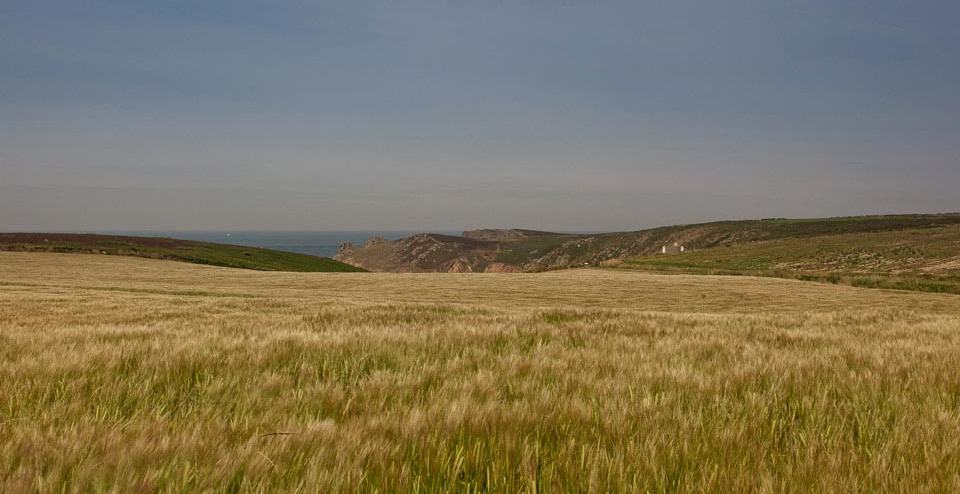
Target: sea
[314,243]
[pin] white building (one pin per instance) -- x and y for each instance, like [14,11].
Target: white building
[676,248]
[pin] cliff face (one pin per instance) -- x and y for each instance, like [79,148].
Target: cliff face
[421,253]
[477,251]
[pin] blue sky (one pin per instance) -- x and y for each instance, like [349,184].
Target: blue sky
[459,114]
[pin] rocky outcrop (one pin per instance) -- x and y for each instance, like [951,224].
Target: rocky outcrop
[490,251]
[459,266]
[499,267]
[424,252]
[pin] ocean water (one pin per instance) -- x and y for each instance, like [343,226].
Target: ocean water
[314,243]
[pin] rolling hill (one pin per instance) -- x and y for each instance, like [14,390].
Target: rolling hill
[567,251]
[925,259]
[233,256]
[918,251]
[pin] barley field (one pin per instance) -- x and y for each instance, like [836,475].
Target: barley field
[136,375]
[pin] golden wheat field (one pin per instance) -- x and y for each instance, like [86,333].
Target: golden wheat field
[133,375]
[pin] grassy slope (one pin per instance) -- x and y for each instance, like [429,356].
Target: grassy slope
[558,252]
[233,256]
[521,252]
[133,375]
[926,259]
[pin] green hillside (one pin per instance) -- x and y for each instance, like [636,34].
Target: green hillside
[881,254]
[592,249]
[233,256]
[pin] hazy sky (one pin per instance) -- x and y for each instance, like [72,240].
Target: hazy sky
[568,115]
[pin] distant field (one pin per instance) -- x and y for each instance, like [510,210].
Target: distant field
[131,375]
[920,259]
[233,256]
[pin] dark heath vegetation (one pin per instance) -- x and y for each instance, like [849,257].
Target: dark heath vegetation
[215,254]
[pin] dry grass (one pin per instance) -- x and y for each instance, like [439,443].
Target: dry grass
[122,374]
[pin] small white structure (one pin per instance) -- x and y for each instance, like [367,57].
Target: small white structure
[676,248]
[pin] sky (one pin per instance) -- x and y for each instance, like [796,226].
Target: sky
[446,115]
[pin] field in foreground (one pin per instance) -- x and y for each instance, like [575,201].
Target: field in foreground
[139,375]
